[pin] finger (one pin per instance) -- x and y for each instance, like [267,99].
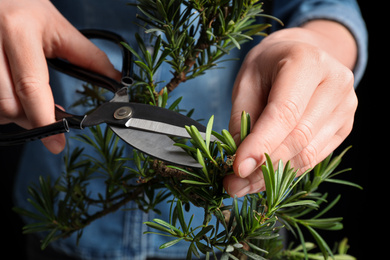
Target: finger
[79,50]
[317,114]
[31,82]
[317,151]
[237,186]
[328,138]
[248,95]
[10,107]
[330,110]
[292,88]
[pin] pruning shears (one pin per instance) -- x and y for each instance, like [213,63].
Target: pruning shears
[146,128]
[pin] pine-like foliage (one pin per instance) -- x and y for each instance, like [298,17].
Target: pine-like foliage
[192,37]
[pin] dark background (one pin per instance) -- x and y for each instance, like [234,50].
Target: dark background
[363,219]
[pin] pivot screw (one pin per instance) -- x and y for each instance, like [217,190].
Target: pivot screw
[122,113]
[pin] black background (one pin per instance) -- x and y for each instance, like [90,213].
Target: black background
[363,219]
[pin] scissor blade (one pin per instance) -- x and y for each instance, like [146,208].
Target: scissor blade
[157,127]
[156,145]
[142,117]
[121,96]
[160,115]
[163,121]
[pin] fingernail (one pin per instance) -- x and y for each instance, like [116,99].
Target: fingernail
[239,187]
[248,166]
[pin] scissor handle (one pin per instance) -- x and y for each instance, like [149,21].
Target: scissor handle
[93,77]
[23,136]
[127,65]
[66,120]
[84,75]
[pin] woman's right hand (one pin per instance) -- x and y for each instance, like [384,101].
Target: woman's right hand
[30,32]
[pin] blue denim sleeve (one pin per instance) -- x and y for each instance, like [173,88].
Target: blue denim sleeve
[347,12]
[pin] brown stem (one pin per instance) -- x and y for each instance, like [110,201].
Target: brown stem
[97,215]
[116,206]
[179,77]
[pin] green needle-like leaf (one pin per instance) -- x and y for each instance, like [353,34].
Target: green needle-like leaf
[245,125]
[310,203]
[229,140]
[171,243]
[190,37]
[326,251]
[208,131]
[180,214]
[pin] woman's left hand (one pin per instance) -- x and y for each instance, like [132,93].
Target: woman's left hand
[300,96]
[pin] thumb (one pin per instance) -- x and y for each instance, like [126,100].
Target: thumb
[250,94]
[247,96]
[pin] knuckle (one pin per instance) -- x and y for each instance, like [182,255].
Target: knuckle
[288,113]
[302,135]
[308,157]
[306,55]
[12,19]
[352,101]
[343,78]
[345,130]
[27,86]
[347,76]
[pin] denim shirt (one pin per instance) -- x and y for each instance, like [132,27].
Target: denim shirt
[120,235]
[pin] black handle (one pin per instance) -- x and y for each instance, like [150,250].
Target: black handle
[95,78]
[84,75]
[66,120]
[25,135]
[127,68]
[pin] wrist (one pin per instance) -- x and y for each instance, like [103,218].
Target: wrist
[328,36]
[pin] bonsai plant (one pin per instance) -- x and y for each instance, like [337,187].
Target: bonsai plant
[191,40]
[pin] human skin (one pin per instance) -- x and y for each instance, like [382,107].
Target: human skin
[27,38]
[297,86]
